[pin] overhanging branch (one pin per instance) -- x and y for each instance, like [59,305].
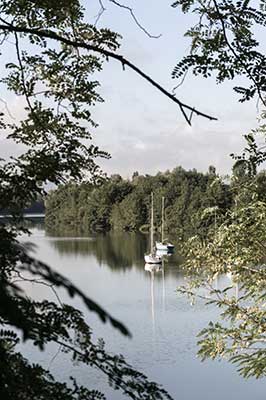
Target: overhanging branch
[186,110]
[237,56]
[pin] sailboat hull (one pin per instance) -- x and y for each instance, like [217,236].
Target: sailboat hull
[164,246]
[170,247]
[160,246]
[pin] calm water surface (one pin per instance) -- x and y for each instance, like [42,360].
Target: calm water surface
[111,270]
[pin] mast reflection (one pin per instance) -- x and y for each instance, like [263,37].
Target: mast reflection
[154,269]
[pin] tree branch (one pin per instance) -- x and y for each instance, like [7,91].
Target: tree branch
[108,54]
[135,19]
[7,109]
[100,13]
[118,379]
[39,282]
[234,52]
[23,79]
[38,268]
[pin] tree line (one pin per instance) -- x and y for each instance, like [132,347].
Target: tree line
[124,205]
[194,202]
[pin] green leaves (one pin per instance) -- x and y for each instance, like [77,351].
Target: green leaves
[251,364]
[43,13]
[223,44]
[236,247]
[51,71]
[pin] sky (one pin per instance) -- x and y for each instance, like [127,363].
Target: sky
[142,129]
[145,131]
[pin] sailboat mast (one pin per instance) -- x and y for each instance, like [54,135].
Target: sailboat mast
[162,227]
[151,222]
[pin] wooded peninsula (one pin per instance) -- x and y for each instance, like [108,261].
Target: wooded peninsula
[124,205]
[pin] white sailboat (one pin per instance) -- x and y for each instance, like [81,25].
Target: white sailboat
[163,245]
[152,258]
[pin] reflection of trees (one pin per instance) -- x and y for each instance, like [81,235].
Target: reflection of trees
[73,245]
[117,250]
[37,223]
[28,222]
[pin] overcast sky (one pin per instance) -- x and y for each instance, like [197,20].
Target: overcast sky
[145,131]
[142,129]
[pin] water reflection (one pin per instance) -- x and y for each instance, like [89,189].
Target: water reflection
[163,324]
[120,251]
[155,269]
[234,283]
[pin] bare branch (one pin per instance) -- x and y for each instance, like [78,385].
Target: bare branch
[22,73]
[7,109]
[55,356]
[100,13]
[40,282]
[108,54]
[23,79]
[180,83]
[135,19]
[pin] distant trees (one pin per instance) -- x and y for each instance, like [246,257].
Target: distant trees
[69,205]
[125,205]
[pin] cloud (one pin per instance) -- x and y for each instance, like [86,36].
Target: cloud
[141,128]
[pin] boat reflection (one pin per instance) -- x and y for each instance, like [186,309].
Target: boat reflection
[234,282]
[107,249]
[155,269]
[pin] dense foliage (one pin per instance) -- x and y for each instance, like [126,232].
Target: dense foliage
[236,248]
[224,44]
[125,205]
[46,63]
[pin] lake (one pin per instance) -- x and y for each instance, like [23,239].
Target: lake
[110,269]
